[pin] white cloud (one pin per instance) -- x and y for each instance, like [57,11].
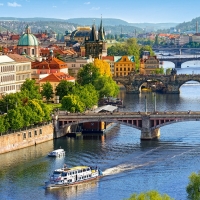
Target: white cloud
[87,3]
[1,4]
[54,6]
[14,4]
[95,8]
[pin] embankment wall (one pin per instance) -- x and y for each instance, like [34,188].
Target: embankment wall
[26,138]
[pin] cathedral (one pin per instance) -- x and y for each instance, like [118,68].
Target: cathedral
[95,45]
[88,42]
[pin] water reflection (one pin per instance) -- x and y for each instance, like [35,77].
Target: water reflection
[72,191]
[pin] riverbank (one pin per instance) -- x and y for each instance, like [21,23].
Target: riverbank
[26,138]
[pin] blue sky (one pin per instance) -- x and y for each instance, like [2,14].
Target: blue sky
[135,11]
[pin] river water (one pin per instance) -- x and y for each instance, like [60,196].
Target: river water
[129,164]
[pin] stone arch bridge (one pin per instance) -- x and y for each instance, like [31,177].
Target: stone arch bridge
[148,123]
[178,61]
[170,83]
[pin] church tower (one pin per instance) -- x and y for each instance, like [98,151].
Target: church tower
[95,45]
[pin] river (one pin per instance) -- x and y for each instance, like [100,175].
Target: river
[129,164]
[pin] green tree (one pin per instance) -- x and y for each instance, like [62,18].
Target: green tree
[16,120]
[46,109]
[2,126]
[193,188]
[159,70]
[88,74]
[37,114]
[64,88]
[47,91]
[72,103]
[168,71]
[150,195]
[87,94]
[106,87]
[30,89]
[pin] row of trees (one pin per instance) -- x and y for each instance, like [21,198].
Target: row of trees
[23,108]
[193,191]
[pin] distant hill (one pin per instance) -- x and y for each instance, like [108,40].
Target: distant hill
[190,26]
[106,21]
[34,19]
[112,25]
[154,26]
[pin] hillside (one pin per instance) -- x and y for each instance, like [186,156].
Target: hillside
[106,21]
[154,26]
[111,25]
[190,26]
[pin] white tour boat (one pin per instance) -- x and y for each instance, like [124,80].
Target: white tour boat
[71,176]
[57,153]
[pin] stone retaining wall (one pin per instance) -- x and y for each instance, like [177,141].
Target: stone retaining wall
[26,138]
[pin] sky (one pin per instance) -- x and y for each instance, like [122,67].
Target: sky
[132,11]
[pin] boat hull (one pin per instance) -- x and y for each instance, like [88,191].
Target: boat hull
[49,185]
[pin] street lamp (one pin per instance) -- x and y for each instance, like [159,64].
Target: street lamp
[145,104]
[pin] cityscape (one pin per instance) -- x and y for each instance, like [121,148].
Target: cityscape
[104,106]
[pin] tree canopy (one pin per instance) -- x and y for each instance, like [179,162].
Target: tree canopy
[103,66]
[30,89]
[88,74]
[47,90]
[150,195]
[193,187]
[64,88]
[72,103]
[106,87]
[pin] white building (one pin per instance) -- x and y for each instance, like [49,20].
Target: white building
[14,70]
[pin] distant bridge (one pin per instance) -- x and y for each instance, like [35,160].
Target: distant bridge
[148,123]
[179,60]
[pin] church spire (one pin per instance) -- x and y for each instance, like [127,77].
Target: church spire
[101,32]
[93,35]
[28,29]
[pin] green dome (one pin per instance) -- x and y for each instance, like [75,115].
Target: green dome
[28,39]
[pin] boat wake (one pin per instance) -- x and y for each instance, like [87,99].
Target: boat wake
[122,168]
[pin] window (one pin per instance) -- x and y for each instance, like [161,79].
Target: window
[24,136]
[40,131]
[33,52]
[35,132]
[29,134]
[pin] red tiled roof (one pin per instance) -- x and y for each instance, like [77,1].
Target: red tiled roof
[57,77]
[111,58]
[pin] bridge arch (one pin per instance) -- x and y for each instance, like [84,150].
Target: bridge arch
[122,122]
[173,122]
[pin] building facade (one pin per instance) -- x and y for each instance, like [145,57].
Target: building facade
[123,65]
[149,65]
[14,70]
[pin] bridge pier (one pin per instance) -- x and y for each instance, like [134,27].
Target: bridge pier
[147,133]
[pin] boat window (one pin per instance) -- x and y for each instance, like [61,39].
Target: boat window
[64,174]
[56,172]
[79,171]
[84,170]
[75,172]
[88,169]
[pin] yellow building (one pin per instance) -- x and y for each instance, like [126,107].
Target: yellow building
[148,65]
[123,65]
